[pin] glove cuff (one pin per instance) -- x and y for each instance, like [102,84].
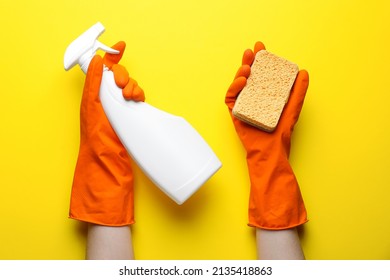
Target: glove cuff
[275,199]
[100,193]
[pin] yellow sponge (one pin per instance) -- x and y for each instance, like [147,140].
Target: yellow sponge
[268,87]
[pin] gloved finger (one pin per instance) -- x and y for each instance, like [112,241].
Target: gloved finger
[242,75]
[233,91]
[298,92]
[133,91]
[110,59]
[92,81]
[238,84]
[243,71]
[248,57]
[138,94]
[121,76]
[127,91]
[258,47]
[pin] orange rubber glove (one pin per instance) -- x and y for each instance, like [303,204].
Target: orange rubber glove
[275,201]
[102,191]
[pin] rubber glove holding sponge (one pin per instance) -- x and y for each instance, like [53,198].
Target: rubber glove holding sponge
[275,201]
[102,191]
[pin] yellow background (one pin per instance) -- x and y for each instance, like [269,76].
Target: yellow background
[184,54]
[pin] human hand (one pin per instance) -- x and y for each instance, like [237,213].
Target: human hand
[130,87]
[102,191]
[290,115]
[275,198]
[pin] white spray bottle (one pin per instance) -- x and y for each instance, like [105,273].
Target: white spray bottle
[166,147]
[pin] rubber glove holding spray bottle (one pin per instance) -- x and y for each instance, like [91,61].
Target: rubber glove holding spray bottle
[102,191]
[166,147]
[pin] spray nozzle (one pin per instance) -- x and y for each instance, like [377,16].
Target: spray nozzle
[81,50]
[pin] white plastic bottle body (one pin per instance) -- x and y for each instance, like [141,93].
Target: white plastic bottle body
[166,147]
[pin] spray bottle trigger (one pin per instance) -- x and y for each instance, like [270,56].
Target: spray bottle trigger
[101,46]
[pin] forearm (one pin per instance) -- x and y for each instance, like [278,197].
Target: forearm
[278,244]
[109,243]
